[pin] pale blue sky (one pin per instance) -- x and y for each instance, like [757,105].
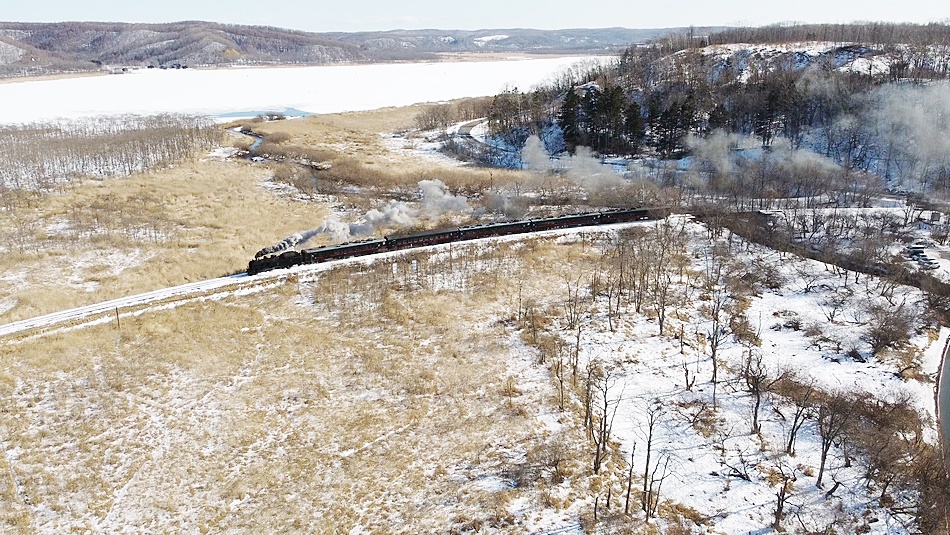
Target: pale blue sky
[358,15]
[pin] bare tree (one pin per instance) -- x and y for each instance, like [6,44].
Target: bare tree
[755,375]
[834,416]
[802,394]
[640,265]
[44,157]
[656,485]
[689,380]
[888,326]
[890,434]
[626,503]
[573,305]
[832,305]
[715,311]
[604,380]
[662,292]
[669,240]
[559,375]
[436,116]
[784,481]
[650,495]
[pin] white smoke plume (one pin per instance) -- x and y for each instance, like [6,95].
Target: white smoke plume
[717,151]
[722,154]
[911,124]
[436,200]
[800,160]
[534,157]
[337,230]
[290,242]
[502,203]
[394,214]
[584,168]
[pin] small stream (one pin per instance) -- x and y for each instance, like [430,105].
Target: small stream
[257,143]
[258,139]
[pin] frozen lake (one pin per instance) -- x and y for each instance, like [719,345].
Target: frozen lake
[324,89]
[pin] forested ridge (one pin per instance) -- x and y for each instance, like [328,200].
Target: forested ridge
[42,48]
[863,98]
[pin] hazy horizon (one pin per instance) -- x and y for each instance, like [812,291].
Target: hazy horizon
[376,15]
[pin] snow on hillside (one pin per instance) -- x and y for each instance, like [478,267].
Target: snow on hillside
[482,41]
[10,53]
[256,90]
[741,58]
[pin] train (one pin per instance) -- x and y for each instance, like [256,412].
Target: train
[446,235]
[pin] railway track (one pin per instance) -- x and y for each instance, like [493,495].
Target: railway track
[123,303]
[115,308]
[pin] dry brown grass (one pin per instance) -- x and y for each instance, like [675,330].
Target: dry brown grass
[344,398]
[201,219]
[44,77]
[102,239]
[352,144]
[338,125]
[290,409]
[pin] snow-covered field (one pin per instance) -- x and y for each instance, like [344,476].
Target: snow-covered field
[326,89]
[319,380]
[351,397]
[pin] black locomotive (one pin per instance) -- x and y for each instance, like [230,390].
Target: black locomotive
[434,237]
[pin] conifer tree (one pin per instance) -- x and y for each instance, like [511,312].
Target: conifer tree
[568,120]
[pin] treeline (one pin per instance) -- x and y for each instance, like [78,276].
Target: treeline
[637,273]
[867,106]
[874,34]
[41,157]
[441,116]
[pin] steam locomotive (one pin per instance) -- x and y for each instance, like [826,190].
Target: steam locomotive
[434,237]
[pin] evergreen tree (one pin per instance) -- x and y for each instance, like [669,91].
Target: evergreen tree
[569,121]
[670,123]
[634,129]
[591,119]
[611,111]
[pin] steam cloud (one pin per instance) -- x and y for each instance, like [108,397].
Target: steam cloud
[721,154]
[534,156]
[911,126]
[436,201]
[584,168]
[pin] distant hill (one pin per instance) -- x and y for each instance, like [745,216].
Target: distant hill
[27,49]
[406,43]
[44,48]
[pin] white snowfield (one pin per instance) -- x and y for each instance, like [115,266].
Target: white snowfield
[325,89]
[724,477]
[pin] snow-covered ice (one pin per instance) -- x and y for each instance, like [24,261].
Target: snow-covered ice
[324,89]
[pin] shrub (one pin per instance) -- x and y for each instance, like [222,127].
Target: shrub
[888,327]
